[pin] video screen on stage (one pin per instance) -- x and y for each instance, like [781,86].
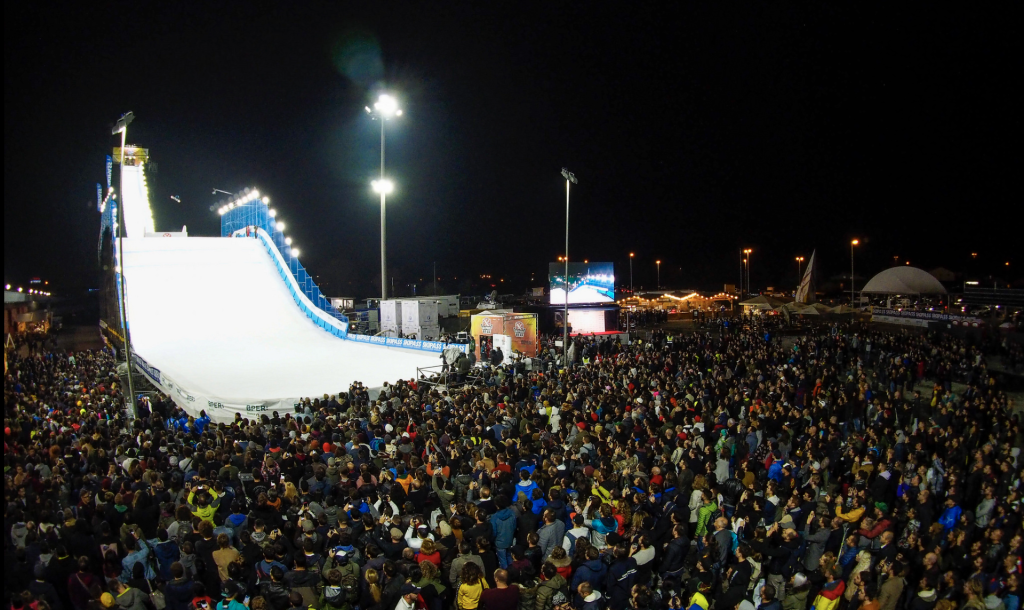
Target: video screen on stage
[588,282]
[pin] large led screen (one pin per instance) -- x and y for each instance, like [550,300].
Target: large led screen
[588,283]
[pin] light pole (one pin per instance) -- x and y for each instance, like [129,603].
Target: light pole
[746,262]
[121,127]
[658,264]
[383,109]
[569,177]
[853,243]
[631,274]
[799,269]
[383,187]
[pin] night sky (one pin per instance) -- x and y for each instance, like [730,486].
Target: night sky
[694,131]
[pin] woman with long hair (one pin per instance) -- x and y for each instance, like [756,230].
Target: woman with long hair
[699,485]
[372,592]
[472,587]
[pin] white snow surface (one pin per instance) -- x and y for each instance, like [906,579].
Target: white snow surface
[215,316]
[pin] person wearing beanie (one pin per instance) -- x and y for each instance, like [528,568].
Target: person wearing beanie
[796,593]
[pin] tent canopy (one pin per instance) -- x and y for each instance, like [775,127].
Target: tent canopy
[762,301]
[904,280]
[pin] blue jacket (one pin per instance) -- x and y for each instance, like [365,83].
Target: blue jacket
[950,516]
[593,571]
[526,489]
[503,524]
[775,471]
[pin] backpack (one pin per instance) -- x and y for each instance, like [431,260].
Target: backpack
[334,598]
[350,580]
[572,543]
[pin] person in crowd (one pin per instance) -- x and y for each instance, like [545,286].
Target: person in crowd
[723,465]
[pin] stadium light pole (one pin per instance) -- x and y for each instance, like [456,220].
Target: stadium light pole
[631,274]
[799,268]
[746,264]
[569,177]
[383,109]
[853,243]
[658,263]
[121,127]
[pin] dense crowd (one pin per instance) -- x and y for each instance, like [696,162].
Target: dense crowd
[723,468]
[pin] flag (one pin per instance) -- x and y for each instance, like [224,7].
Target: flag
[805,292]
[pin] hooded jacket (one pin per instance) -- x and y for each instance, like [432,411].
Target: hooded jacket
[503,524]
[593,571]
[546,591]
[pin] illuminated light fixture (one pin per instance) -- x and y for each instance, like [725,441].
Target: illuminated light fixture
[295,252]
[255,193]
[266,200]
[287,241]
[20,289]
[387,105]
[272,213]
[383,186]
[280,226]
[222,211]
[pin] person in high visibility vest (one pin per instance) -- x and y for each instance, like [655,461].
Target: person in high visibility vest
[206,506]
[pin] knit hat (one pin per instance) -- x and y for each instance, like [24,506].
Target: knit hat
[799,580]
[396,533]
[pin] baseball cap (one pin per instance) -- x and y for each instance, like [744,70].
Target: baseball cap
[409,588]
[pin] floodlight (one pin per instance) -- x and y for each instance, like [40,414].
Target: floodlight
[386,105]
[272,213]
[383,186]
[287,241]
[295,252]
[280,226]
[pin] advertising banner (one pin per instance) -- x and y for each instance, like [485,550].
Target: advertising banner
[920,318]
[521,327]
[523,330]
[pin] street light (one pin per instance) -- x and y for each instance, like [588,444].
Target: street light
[853,243]
[121,127]
[799,266]
[384,108]
[658,263]
[746,263]
[569,177]
[631,255]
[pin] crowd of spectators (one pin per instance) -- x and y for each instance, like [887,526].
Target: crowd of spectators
[723,468]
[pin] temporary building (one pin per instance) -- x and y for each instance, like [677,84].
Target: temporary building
[904,280]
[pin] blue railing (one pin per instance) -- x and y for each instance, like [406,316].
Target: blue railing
[256,214]
[304,291]
[305,294]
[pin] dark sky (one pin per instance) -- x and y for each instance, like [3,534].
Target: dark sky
[694,131]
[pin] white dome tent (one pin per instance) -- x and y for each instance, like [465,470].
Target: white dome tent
[903,280]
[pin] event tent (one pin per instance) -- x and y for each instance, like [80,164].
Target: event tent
[904,280]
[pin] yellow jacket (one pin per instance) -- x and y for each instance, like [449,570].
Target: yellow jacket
[851,517]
